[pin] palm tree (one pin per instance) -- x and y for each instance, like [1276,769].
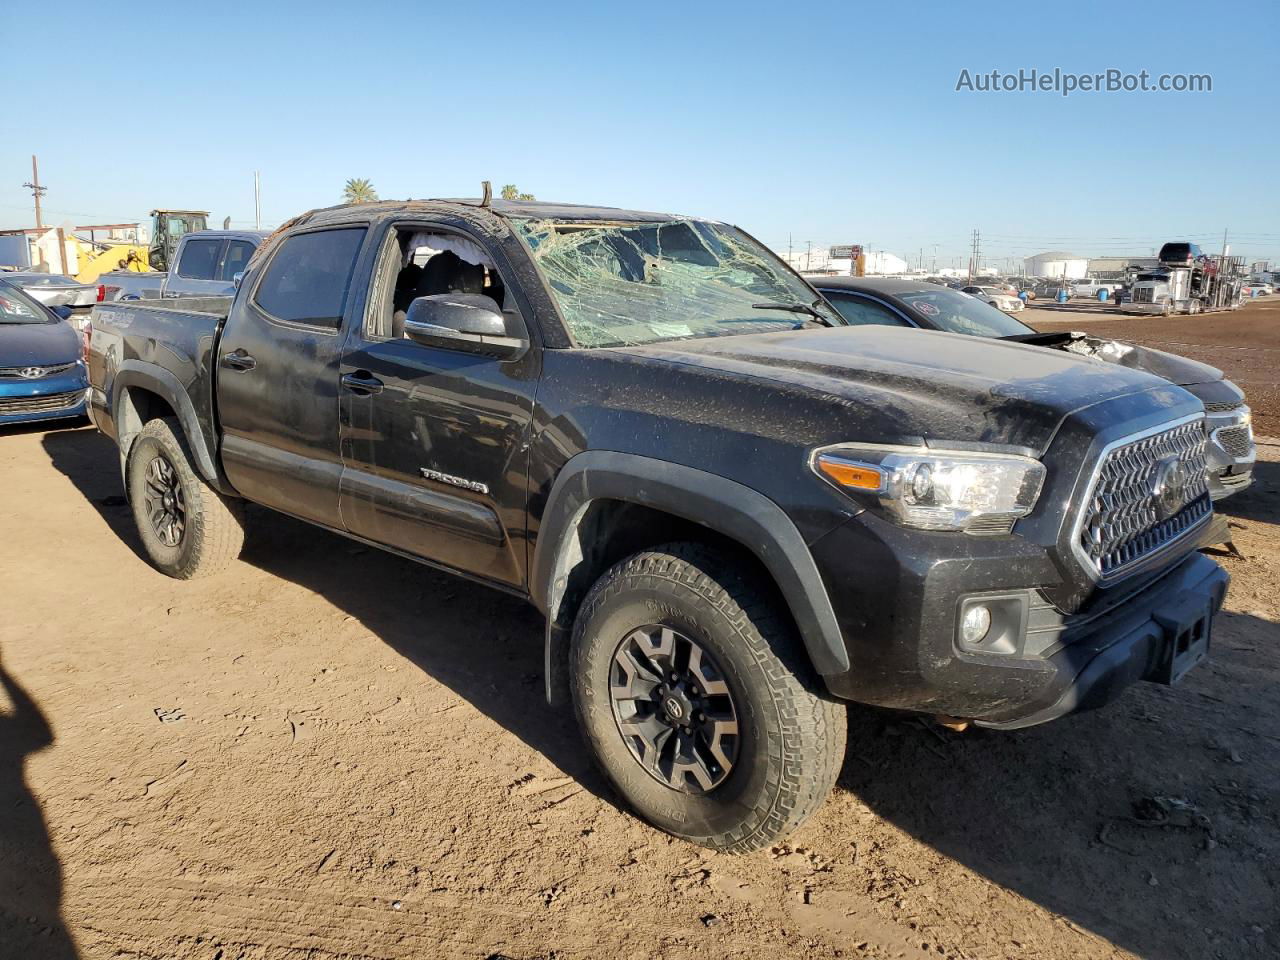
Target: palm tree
[512,192]
[359,191]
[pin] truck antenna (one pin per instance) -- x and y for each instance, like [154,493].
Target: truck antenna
[487,199]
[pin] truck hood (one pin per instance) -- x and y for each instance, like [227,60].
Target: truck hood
[913,386]
[1169,366]
[38,344]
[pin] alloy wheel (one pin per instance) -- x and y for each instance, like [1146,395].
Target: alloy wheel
[674,709]
[166,506]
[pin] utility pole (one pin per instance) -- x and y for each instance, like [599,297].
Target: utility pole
[974,258]
[789,263]
[37,191]
[808,249]
[934,268]
[257,202]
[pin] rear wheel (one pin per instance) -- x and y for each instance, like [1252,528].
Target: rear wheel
[187,528]
[698,701]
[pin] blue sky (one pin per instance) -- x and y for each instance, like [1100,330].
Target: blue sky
[831,123]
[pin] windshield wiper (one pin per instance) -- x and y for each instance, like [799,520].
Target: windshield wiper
[796,307]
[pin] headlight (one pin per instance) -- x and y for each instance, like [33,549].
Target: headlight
[936,489]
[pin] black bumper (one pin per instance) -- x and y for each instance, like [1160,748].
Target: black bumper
[898,593]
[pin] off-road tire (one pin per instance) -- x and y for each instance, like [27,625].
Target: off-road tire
[792,734]
[213,534]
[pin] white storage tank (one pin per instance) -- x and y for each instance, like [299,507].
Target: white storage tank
[1057,263]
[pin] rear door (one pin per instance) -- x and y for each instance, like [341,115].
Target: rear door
[434,439]
[195,274]
[277,379]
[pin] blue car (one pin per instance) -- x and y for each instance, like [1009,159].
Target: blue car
[42,373]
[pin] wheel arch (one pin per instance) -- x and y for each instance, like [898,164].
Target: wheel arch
[675,502]
[143,392]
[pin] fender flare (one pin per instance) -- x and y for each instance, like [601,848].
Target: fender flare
[158,380]
[722,505]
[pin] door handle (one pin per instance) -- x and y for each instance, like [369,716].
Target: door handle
[170,293]
[239,360]
[362,383]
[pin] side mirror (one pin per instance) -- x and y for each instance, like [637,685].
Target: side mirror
[236,278]
[63,311]
[462,321]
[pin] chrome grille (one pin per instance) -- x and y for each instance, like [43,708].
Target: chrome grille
[1143,295]
[11,406]
[1148,492]
[1223,406]
[15,373]
[1235,440]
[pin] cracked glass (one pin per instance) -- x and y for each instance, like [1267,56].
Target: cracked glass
[632,283]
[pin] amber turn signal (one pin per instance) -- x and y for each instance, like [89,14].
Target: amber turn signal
[856,476]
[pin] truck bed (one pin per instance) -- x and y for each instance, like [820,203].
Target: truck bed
[131,338]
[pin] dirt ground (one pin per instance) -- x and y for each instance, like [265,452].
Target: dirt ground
[329,752]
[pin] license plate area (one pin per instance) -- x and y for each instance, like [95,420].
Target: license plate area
[1186,630]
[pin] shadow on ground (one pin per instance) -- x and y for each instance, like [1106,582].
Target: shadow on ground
[30,874]
[1261,502]
[1055,814]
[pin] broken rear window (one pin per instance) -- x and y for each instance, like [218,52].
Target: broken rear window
[624,284]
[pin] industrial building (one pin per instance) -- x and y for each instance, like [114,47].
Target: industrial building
[1057,263]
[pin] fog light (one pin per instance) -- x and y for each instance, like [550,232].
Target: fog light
[976,623]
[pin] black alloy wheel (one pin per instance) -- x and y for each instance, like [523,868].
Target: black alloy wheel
[674,709]
[166,505]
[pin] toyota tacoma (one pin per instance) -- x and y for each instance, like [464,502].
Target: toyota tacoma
[735,510]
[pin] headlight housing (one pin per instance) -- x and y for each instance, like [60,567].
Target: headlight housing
[978,493]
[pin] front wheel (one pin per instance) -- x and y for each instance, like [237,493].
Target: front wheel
[698,701]
[187,528]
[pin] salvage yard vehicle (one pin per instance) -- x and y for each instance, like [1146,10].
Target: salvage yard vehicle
[995,297]
[54,289]
[205,264]
[734,509]
[1231,451]
[1187,281]
[42,373]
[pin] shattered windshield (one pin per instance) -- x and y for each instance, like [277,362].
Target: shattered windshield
[625,284]
[959,313]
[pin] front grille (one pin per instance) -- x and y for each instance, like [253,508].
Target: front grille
[1147,493]
[15,373]
[1143,295]
[1235,440]
[1223,406]
[11,406]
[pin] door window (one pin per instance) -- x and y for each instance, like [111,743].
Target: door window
[238,254]
[861,311]
[309,277]
[199,259]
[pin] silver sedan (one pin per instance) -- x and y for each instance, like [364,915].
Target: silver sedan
[53,289]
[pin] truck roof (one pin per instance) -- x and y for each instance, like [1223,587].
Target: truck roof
[509,209]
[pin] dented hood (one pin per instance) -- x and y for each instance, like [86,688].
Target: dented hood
[912,385]
[1168,366]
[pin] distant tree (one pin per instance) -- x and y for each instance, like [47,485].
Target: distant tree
[359,191]
[512,192]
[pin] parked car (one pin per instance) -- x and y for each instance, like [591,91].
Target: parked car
[205,264]
[1089,287]
[734,508]
[42,371]
[1231,450]
[996,297]
[1258,288]
[54,289]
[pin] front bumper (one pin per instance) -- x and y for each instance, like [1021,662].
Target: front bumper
[50,398]
[1230,453]
[898,594]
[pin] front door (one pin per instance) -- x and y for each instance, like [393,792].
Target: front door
[433,439]
[277,379]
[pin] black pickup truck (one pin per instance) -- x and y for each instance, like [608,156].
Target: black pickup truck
[735,510]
